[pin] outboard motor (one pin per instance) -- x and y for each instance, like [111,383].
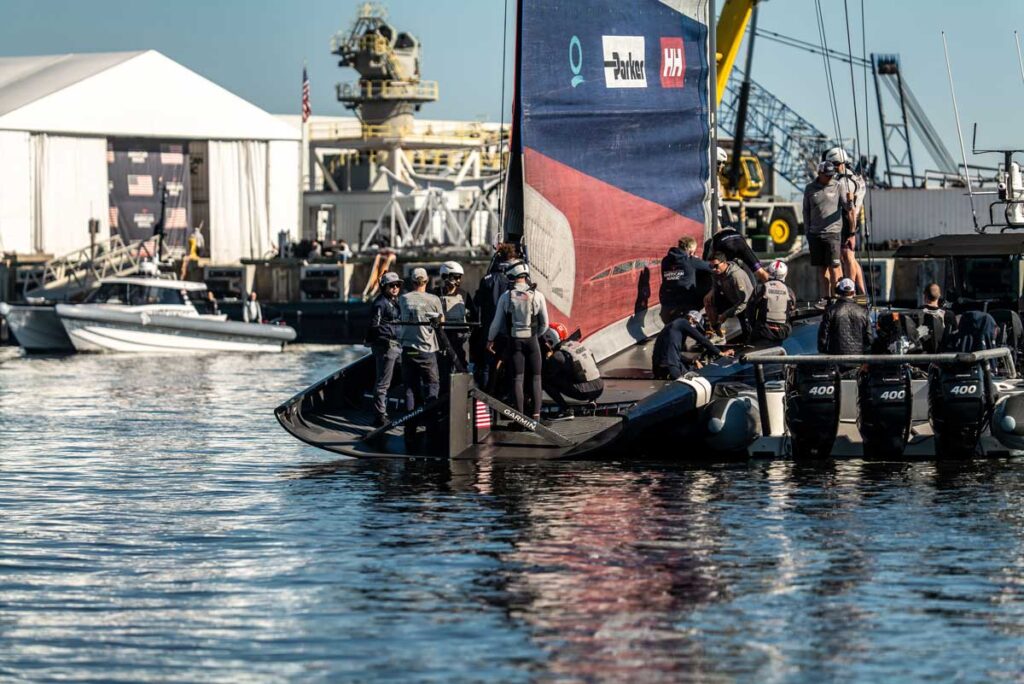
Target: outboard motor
[813,396]
[960,399]
[885,408]
[1008,422]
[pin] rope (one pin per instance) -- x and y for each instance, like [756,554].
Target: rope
[823,38]
[853,82]
[501,128]
[867,133]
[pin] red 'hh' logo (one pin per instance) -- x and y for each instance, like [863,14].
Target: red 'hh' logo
[673,63]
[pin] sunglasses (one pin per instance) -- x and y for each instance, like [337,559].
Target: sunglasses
[393,285]
[453,276]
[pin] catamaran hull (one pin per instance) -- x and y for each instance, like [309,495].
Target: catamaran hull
[106,331]
[37,329]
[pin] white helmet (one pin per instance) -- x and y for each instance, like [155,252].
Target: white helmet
[837,155]
[516,270]
[723,156]
[451,267]
[778,269]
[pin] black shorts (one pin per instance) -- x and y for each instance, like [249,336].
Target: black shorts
[824,248]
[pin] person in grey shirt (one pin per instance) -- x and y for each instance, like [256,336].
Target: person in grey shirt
[419,345]
[252,312]
[825,208]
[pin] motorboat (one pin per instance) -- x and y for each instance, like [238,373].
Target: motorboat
[36,328]
[137,314]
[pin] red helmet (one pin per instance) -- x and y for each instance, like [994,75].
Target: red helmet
[563,332]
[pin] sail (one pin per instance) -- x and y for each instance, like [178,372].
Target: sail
[610,144]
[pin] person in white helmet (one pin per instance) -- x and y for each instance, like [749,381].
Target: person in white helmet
[522,314]
[772,306]
[458,308]
[854,188]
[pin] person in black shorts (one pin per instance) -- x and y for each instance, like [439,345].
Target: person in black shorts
[734,246]
[825,209]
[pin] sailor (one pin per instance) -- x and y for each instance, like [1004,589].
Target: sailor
[521,315]
[734,246]
[825,209]
[679,292]
[895,334]
[937,320]
[382,338]
[419,345]
[729,295]
[667,360]
[845,327]
[458,308]
[854,188]
[252,312]
[569,370]
[772,306]
[721,157]
[491,287]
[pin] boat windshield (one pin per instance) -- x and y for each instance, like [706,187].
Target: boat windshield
[136,295]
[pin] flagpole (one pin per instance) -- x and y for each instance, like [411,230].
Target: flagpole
[303,155]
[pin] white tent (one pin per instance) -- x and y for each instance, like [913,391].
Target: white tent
[57,112]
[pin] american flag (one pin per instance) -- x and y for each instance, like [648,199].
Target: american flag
[140,185]
[306,111]
[483,415]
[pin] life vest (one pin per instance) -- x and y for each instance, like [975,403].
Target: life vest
[583,362]
[521,314]
[454,306]
[775,303]
[934,320]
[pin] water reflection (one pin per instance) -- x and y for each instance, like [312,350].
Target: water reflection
[155,523]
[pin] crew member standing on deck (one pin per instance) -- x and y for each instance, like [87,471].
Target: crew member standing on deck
[382,338]
[667,361]
[825,209]
[419,345]
[492,286]
[458,308]
[252,312]
[521,315]
[853,189]
[772,306]
[679,292]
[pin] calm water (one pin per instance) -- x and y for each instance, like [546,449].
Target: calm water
[157,524]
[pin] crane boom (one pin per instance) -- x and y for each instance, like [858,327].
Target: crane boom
[732,24]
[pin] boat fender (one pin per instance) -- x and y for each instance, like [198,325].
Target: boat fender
[1008,422]
[701,388]
[733,424]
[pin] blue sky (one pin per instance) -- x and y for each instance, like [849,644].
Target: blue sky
[256,49]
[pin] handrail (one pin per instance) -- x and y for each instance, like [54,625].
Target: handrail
[766,356]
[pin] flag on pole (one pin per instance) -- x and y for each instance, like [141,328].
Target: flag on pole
[306,111]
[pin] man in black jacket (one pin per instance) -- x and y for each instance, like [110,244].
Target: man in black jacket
[845,327]
[679,291]
[382,338]
[666,360]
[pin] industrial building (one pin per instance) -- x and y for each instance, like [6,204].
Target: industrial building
[125,138]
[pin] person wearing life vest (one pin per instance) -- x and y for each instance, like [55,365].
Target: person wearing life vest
[491,287]
[667,362]
[771,306]
[569,370]
[679,291]
[522,314]
[458,308]
[419,345]
[937,320]
[382,338]
[854,188]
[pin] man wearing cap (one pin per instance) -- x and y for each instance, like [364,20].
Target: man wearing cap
[825,209]
[845,327]
[419,344]
[771,306]
[458,308]
[382,338]
[667,361]
[854,188]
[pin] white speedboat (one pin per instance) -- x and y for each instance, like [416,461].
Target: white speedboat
[156,315]
[36,328]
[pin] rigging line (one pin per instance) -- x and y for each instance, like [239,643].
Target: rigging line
[867,139]
[959,132]
[853,82]
[501,127]
[1020,60]
[822,35]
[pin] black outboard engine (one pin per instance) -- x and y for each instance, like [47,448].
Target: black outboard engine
[885,408]
[960,400]
[813,396]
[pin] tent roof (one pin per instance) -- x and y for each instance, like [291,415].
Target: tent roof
[130,94]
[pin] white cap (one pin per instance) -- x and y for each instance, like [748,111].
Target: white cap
[778,269]
[696,316]
[722,155]
[827,168]
[420,275]
[846,286]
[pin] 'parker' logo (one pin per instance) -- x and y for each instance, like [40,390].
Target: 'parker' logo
[673,63]
[624,61]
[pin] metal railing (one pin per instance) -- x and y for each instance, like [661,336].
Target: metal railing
[81,269]
[387,90]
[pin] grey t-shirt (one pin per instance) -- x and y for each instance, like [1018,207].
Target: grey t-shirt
[823,208]
[419,307]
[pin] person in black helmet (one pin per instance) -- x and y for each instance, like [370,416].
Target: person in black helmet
[522,314]
[382,338]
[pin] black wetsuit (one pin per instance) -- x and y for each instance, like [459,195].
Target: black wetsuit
[667,361]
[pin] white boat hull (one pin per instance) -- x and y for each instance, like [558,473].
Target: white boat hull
[37,329]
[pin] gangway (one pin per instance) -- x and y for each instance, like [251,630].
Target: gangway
[65,277]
